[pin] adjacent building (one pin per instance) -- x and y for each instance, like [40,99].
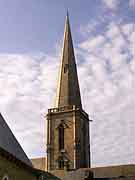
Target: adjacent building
[14,163]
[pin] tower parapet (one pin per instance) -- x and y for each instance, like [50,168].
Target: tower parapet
[68,146]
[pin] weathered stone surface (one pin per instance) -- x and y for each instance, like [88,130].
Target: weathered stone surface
[13,168]
[114,171]
[80,174]
[123,172]
[39,163]
[68,92]
[76,138]
[10,169]
[68,115]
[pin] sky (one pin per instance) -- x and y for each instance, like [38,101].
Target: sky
[31,35]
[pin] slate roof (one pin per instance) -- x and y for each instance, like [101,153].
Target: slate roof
[9,143]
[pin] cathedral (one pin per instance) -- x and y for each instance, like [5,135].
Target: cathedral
[68,137]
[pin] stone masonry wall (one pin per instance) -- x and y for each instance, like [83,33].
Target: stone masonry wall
[13,171]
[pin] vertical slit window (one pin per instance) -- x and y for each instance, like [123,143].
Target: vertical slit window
[65,68]
[61,137]
[61,164]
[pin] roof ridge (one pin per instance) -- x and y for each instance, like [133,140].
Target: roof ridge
[9,143]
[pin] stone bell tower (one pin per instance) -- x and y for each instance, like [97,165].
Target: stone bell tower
[68,144]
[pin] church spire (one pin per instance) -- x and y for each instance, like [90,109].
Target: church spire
[68,92]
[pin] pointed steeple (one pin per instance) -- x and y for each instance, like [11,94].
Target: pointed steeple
[68,91]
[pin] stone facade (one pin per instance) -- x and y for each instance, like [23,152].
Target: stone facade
[39,163]
[76,150]
[14,170]
[114,171]
[122,172]
[68,145]
[68,91]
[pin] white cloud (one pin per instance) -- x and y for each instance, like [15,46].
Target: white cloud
[132,4]
[27,87]
[115,4]
[108,93]
[112,4]
[106,74]
[89,28]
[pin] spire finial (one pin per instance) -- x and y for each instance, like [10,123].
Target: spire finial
[67,13]
[67,17]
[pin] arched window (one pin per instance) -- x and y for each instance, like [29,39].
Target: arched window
[41,177]
[61,164]
[61,137]
[5,178]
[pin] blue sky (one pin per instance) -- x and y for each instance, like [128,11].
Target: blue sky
[34,26]
[29,26]
[30,47]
